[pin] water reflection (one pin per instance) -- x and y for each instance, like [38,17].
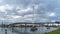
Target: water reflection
[26,30]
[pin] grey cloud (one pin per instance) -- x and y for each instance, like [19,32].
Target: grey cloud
[44,7]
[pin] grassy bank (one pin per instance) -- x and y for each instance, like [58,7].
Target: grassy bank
[54,32]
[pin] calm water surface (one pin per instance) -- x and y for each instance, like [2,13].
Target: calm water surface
[40,30]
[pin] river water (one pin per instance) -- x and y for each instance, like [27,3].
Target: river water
[41,30]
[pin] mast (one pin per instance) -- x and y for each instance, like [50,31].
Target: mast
[33,14]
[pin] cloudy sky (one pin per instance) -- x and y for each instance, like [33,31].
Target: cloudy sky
[22,10]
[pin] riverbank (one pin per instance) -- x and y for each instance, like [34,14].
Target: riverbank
[54,32]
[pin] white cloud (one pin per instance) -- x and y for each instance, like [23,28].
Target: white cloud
[24,10]
[52,14]
[16,17]
[3,19]
[3,8]
[11,18]
[53,20]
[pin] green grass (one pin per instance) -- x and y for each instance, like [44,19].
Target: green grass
[54,32]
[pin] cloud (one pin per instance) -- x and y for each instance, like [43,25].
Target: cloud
[22,10]
[2,19]
[52,14]
[5,7]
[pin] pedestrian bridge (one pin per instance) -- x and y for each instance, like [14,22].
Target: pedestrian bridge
[35,24]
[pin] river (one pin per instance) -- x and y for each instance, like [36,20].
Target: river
[41,30]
